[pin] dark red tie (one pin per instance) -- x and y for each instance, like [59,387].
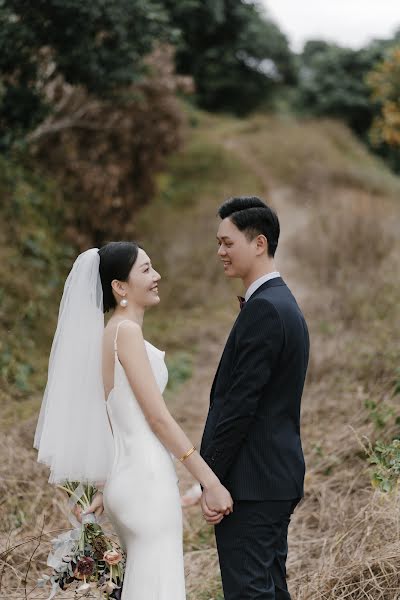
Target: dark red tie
[242,301]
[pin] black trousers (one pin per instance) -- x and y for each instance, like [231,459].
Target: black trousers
[252,549]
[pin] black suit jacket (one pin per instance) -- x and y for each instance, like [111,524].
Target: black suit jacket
[251,438]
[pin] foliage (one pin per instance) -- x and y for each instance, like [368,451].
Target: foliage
[99,45]
[106,153]
[384,455]
[34,259]
[332,82]
[386,461]
[384,81]
[235,53]
[337,82]
[90,92]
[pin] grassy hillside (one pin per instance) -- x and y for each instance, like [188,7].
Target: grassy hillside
[33,262]
[339,253]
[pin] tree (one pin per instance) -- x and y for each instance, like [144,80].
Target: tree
[92,92]
[237,56]
[99,45]
[333,82]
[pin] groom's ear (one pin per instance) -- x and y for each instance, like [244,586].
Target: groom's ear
[261,244]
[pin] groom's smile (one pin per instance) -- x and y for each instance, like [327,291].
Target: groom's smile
[235,250]
[227,263]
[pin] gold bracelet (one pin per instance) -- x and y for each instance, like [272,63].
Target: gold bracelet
[188,453]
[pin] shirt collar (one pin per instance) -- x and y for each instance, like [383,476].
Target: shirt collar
[256,284]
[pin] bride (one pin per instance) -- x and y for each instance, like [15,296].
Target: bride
[103,419]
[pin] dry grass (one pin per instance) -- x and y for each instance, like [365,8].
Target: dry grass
[30,512]
[340,255]
[346,536]
[312,157]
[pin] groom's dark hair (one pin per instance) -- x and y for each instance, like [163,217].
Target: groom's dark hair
[253,217]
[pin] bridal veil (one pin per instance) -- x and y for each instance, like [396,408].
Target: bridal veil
[73,435]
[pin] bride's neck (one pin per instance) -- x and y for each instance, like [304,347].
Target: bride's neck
[130,312]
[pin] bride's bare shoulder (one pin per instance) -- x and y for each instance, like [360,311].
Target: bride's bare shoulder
[125,328]
[128,331]
[129,341]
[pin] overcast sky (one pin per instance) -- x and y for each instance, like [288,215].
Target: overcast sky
[346,22]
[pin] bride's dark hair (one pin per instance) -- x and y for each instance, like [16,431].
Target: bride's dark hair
[116,262]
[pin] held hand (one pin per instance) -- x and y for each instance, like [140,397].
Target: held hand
[211,516]
[96,507]
[215,501]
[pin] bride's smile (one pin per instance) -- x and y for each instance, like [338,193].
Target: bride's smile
[140,290]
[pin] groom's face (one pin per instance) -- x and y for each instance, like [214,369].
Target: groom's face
[236,252]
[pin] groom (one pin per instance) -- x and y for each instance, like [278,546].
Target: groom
[252,435]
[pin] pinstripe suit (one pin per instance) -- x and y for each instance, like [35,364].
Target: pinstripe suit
[252,440]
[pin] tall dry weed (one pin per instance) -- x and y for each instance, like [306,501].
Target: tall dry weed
[348,250]
[346,536]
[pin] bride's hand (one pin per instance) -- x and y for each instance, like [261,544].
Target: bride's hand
[96,507]
[216,502]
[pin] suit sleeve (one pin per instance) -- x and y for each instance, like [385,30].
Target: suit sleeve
[260,339]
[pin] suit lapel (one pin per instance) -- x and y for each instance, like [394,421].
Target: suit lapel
[270,283]
[220,360]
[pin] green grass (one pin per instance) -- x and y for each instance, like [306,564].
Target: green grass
[180,369]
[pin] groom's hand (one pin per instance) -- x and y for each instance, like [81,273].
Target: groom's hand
[211,516]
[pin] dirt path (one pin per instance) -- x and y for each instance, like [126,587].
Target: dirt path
[292,216]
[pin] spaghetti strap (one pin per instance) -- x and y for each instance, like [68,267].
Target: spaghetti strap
[116,333]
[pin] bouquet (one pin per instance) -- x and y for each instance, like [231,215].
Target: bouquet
[85,557]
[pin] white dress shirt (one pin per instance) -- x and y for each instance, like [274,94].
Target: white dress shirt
[256,284]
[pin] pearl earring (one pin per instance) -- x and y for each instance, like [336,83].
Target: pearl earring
[124,303]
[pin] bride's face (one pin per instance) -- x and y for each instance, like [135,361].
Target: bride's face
[142,282]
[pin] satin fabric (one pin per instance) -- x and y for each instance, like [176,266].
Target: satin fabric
[141,494]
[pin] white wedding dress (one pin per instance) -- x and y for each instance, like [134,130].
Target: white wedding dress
[141,495]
